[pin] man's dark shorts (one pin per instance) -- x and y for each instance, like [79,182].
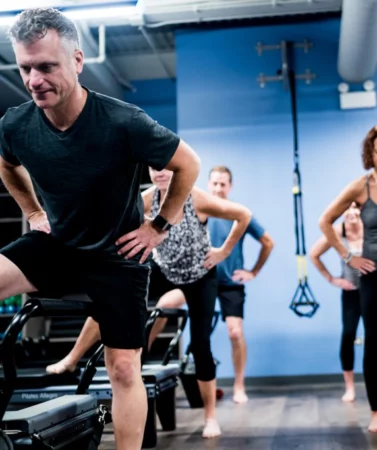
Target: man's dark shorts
[232,300]
[117,287]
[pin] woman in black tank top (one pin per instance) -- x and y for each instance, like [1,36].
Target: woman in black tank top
[363,191]
[351,231]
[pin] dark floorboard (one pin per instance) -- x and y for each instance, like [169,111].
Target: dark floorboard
[281,418]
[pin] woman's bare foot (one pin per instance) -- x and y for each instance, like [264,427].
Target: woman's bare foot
[211,429]
[239,396]
[65,365]
[349,395]
[373,423]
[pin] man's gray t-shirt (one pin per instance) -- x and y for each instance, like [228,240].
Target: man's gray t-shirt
[89,175]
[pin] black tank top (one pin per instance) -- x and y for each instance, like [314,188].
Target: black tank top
[369,218]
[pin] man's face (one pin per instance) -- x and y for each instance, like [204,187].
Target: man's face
[219,184]
[49,68]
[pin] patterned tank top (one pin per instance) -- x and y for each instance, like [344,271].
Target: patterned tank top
[181,255]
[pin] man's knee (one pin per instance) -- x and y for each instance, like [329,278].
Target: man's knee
[235,332]
[123,366]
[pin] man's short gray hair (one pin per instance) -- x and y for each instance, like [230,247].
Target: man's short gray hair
[33,24]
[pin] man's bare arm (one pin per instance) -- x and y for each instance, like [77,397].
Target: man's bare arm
[185,165]
[18,182]
[267,244]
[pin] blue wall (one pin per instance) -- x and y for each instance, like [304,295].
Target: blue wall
[229,119]
[158,98]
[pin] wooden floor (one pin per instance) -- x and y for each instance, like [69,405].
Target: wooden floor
[282,418]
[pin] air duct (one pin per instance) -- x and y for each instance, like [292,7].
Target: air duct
[357,57]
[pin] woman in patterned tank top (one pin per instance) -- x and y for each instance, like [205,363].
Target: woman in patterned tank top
[351,231]
[363,191]
[184,260]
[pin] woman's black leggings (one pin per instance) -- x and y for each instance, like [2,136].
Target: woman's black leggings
[368,296]
[201,298]
[351,312]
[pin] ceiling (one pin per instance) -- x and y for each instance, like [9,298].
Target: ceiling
[142,46]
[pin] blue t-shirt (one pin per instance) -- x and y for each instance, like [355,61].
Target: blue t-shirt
[219,230]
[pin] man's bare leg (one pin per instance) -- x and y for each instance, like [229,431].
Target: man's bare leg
[89,335]
[239,353]
[129,406]
[12,280]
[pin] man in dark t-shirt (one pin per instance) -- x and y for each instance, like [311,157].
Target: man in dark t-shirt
[84,152]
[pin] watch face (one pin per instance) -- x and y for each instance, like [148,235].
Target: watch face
[161,223]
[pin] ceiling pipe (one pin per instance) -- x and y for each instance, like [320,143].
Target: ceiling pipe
[357,57]
[164,13]
[155,14]
[101,58]
[84,29]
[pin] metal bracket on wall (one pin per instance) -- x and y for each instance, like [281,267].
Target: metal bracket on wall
[263,79]
[281,75]
[260,47]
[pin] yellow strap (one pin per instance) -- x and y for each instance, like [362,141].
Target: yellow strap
[301,267]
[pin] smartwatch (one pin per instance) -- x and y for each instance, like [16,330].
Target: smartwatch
[161,223]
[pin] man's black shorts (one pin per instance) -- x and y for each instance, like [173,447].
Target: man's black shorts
[117,287]
[232,300]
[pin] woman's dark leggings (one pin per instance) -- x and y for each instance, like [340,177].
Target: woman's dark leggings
[201,299]
[368,296]
[351,312]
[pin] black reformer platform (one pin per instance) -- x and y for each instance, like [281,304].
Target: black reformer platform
[71,421]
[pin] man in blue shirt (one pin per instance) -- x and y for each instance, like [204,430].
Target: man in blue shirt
[232,275]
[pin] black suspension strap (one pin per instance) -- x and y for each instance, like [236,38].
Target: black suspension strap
[303,302]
